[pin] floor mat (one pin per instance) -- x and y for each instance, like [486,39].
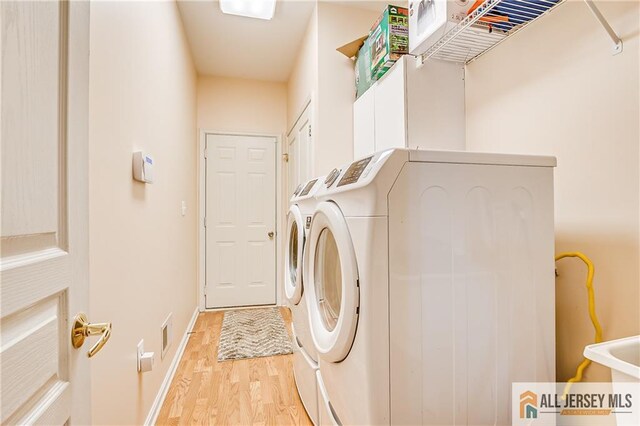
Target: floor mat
[253,333]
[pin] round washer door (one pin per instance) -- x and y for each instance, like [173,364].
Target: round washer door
[293,255]
[331,278]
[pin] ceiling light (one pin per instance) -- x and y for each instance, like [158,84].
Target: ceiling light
[261,9]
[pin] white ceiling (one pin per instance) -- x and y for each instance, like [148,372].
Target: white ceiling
[234,46]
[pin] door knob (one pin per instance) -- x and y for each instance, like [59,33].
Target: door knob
[82,329]
[271,235]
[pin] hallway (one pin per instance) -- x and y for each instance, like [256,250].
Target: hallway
[402,182]
[253,391]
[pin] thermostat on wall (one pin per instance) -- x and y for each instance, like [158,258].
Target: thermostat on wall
[142,167]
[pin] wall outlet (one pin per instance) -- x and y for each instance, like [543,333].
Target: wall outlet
[139,354]
[166,332]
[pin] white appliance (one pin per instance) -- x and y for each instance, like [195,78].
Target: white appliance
[430,20]
[429,278]
[305,359]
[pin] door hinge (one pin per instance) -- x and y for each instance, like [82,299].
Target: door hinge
[205,153]
[285,158]
[309,131]
[205,222]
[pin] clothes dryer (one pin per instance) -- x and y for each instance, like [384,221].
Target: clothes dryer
[429,278]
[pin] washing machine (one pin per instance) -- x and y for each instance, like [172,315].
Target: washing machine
[305,358]
[429,281]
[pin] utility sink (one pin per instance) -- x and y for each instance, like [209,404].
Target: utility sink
[622,356]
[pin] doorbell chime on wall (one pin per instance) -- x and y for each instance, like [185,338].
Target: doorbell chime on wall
[142,167]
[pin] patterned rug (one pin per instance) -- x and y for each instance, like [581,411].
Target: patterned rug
[253,333]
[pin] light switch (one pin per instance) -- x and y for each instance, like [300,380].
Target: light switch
[183,208]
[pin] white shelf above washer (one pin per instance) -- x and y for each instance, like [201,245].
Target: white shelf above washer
[486,27]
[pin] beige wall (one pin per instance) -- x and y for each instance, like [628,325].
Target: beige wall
[143,252]
[326,77]
[337,25]
[556,89]
[303,81]
[239,105]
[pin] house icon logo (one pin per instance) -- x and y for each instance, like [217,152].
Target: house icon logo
[528,405]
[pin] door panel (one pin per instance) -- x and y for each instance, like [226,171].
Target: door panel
[300,148]
[31,39]
[44,260]
[240,212]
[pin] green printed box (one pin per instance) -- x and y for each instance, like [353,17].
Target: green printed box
[388,39]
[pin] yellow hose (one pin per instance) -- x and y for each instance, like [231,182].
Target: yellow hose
[592,314]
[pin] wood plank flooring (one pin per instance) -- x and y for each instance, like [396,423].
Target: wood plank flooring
[257,391]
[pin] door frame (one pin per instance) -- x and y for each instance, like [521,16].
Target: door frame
[308,105]
[202,194]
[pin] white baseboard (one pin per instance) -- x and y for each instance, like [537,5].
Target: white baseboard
[152,417]
[238,308]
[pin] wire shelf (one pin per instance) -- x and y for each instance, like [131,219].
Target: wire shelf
[486,27]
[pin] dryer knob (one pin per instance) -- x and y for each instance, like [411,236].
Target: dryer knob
[332,177]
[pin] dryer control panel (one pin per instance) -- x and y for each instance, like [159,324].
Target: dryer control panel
[354,171]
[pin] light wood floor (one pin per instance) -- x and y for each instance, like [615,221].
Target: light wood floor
[257,391]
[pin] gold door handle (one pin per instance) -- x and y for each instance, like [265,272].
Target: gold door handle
[271,235]
[82,329]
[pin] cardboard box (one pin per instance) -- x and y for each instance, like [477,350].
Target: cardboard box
[388,39]
[390,32]
[359,50]
[364,79]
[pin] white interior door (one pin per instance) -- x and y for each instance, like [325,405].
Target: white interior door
[44,255]
[240,221]
[300,151]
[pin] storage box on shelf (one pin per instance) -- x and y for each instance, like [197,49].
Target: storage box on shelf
[412,107]
[376,52]
[364,78]
[388,39]
[360,51]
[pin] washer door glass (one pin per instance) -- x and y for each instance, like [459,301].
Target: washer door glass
[293,253]
[328,279]
[293,256]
